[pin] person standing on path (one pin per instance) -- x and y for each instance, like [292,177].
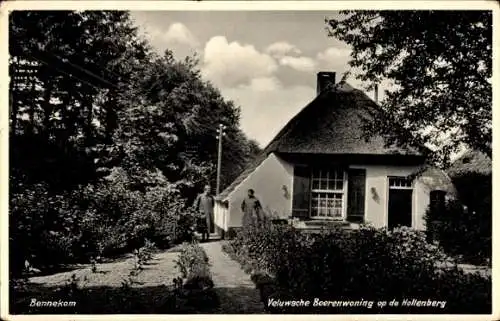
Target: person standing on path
[252,209]
[204,204]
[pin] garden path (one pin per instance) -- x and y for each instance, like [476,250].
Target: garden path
[235,289]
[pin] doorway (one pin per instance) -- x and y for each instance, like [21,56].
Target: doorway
[400,202]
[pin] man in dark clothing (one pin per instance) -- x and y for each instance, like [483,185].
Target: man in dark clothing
[204,204]
[252,209]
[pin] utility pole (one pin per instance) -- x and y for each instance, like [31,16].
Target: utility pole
[219,155]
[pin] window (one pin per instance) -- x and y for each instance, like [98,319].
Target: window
[437,199]
[400,183]
[328,193]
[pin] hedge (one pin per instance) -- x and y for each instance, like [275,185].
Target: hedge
[369,264]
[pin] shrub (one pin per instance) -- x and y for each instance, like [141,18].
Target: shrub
[369,263]
[41,228]
[475,191]
[192,258]
[464,292]
[462,233]
[145,253]
[102,220]
[194,288]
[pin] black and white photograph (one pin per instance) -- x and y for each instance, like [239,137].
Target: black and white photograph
[248,159]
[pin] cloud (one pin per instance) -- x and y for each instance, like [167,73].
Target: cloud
[250,78]
[180,34]
[333,57]
[229,64]
[337,59]
[177,37]
[265,84]
[287,55]
[304,64]
[282,48]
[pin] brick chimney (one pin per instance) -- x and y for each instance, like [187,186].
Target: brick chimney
[325,78]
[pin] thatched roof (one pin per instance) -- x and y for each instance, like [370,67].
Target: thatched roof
[471,162]
[333,123]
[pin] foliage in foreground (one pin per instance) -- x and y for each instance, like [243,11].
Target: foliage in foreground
[369,264]
[464,229]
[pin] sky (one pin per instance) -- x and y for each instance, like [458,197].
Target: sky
[264,61]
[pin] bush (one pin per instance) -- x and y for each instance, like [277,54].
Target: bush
[462,233]
[41,228]
[373,264]
[118,220]
[145,253]
[195,285]
[192,259]
[49,229]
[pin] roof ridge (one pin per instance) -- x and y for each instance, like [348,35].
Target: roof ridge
[343,88]
[326,90]
[283,131]
[285,127]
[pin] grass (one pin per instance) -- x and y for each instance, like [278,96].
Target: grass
[119,287]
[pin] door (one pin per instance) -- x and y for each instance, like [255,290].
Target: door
[400,202]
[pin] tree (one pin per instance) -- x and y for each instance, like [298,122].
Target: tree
[64,66]
[441,64]
[109,140]
[169,118]
[89,94]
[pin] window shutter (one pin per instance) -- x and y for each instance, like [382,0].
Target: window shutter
[301,191]
[356,195]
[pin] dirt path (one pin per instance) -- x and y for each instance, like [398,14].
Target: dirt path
[237,293]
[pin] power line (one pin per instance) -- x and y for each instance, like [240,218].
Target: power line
[106,81]
[66,60]
[88,37]
[201,126]
[62,71]
[90,73]
[220,130]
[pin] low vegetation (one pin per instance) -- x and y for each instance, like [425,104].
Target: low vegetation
[188,290]
[369,264]
[194,287]
[464,229]
[463,233]
[95,222]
